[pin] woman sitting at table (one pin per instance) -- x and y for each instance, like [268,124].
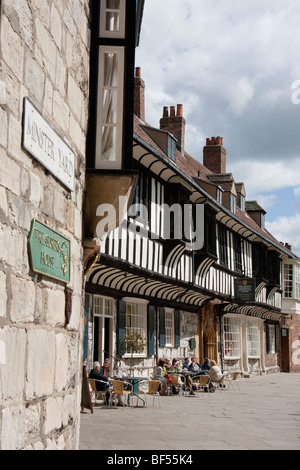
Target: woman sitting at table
[214,373]
[160,374]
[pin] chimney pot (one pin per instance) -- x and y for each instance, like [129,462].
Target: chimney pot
[138,72]
[166,111]
[179,110]
[172,110]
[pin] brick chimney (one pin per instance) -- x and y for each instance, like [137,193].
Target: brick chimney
[174,123]
[139,94]
[214,155]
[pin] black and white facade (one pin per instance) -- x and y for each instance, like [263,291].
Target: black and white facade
[175,252]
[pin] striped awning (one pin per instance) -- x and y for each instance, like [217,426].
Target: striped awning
[257,311]
[134,284]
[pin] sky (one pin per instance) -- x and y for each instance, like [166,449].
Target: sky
[235,67]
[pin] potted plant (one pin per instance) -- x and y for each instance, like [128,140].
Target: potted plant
[133,343]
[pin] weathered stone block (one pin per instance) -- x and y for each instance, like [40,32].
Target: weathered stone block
[54,307]
[53,414]
[41,363]
[13,432]
[23,300]
[12,373]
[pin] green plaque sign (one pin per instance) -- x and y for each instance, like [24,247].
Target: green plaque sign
[245,290]
[49,252]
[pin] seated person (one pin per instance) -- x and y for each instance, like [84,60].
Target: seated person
[195,367]
[206,365]
[186,363]
[167,363]
[160,374]
[101,375]
[214,372]
[175,366]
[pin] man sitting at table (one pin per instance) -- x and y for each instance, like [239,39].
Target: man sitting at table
[102,374]
[196,369]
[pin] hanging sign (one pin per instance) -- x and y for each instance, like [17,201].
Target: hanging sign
[244,290]
[49,252]
[43,143]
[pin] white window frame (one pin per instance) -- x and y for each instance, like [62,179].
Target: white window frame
[118,125]
[288,274]
[231,337]
[271,338]
[103,307]
[233,203]
[104,12]
[297,282]
[139,320]
[242,202]
[169,328]
[253,338]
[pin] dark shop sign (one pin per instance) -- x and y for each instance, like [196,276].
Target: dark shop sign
[244,290]
[49,252]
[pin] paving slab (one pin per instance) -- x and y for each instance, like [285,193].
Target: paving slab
[263,415]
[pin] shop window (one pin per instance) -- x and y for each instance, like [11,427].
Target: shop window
[231,337]
[271,339]
[253,338]
[136,321]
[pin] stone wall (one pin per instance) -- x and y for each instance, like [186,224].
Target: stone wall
[44,55]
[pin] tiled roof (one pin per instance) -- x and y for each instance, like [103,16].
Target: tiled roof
[193,168]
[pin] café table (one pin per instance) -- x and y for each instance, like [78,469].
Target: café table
[187,373]
[135,382]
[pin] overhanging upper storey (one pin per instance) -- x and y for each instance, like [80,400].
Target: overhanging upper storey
[115,33]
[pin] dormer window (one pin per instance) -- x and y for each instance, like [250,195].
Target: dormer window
[219,195]
[171,148]
[242,202]
[262,220]
[233,203]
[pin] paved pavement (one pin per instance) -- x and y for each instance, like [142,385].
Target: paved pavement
[263,415]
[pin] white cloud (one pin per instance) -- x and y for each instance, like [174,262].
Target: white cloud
[287,230]
[266,175]
[231,64]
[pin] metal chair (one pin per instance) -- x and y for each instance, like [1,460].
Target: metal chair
[118,389]
[219,383]
[153,391]
[233,380]
[98,393]
[202,384]
[176,381]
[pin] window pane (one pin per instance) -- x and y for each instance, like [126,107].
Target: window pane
[169,328]
[231,338]
[113,4]
[112,21]
[110,69]
[136,320]
[108,150]
[253,338]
